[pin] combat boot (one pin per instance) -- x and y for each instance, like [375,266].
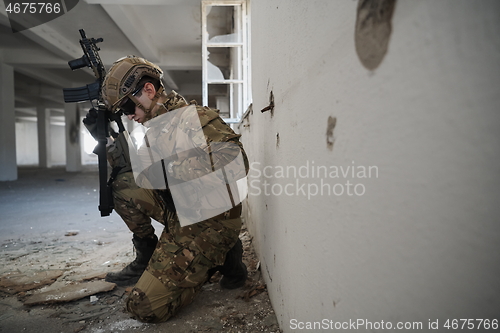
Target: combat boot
[144,248]
[234,272]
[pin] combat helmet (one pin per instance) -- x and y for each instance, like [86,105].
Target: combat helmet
[122,79]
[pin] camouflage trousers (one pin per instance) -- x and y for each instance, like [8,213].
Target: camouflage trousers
[136,205]
[179,265]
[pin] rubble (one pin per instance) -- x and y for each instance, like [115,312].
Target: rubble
[15,282]
[70,292]
[101,246]
[62,296]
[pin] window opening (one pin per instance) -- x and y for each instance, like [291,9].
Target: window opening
[225,57]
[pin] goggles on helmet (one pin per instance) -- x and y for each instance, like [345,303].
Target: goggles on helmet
[127,106]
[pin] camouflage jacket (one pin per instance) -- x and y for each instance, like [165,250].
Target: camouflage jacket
[206,131]
[193,152]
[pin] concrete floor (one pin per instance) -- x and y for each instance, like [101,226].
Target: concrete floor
[48,202]
[42,207]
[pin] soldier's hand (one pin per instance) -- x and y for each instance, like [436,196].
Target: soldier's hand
[90,121]
[114,116]
[91,117]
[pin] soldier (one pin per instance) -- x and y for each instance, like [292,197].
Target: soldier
[171,270]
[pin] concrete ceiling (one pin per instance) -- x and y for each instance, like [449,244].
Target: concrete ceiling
[166,32]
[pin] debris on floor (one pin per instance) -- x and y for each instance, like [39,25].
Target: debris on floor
[40,265]
[15,282]
[70,292]
[62,283]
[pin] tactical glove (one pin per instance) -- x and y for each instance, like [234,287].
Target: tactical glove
[90,121]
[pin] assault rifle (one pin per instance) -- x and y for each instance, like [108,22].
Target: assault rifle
[92,92]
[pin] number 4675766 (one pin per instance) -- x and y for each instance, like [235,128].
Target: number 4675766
[33,8]
[471,324]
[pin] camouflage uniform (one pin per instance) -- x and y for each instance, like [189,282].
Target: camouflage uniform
[179,266]
[136,205]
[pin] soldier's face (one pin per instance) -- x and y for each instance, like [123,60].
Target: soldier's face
[145,99]
[138,116]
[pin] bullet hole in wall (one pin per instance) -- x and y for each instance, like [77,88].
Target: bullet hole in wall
[330,139]
[373,30]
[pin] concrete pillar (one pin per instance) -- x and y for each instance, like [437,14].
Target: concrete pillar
[44,143]
[73,142]
[8,162]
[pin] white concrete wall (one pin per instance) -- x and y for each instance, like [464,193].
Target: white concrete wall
[57,139]
[422,242]
[27,144]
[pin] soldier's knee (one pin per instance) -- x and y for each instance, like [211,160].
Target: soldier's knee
[150,301]
[139,307]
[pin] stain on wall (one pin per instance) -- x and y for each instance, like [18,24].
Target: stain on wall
[330,139]
[74,130]
[373,30]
